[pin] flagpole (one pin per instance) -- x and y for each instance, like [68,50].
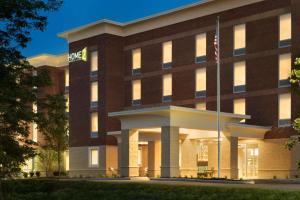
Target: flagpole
[218,98]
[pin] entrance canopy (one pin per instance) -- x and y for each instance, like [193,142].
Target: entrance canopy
[187,119]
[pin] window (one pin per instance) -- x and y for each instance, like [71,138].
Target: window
[167,88]
[94,125]
[136,92]
[284,109]
[67,160]
[67,103]
[239,107]
[201,106]
[67,80]
[239,40]
[284,70]
[201,48]
[94,157]
[239,74]
[167,55]
[34,125]
[140,156]
[94,61]
[285,30]
[94,94]
[200,83]
[136,61]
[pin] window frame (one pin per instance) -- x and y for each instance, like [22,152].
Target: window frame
[284,42]
[239,88]
[90,149]
[167,98]
[239,51]
[286,122]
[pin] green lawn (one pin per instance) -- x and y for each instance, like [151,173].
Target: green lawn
[81,190]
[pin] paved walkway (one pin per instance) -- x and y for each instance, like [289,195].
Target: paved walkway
[287,187]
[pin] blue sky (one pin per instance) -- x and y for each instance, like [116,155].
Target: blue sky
[76,13]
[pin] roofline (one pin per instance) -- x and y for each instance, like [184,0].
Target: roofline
[155,21]
[241,125]
[46,54]
[80,28]
[45,59]
[174,10]
[120,24]
[173,108]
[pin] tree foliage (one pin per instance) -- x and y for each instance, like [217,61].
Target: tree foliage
[295,83]
[17,85]
[55,126]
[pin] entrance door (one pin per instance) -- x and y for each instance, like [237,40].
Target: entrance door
[248,160]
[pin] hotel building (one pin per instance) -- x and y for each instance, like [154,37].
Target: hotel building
[142,94]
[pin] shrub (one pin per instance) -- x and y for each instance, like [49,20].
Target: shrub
[38,174]
[25,174]
[55,173]
[31,174]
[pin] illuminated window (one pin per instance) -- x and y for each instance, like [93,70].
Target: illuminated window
[94,94]
[94,124]
[94,157]
[94,61]
[284,69]
[136,92]
[285,109]
[201,106]
[167,87]
[201,48]
[239,74]
[140,156]
[167,55]
[200,83]
[34,125]
[239,39]
[285,30]
[67,80]
[202,152]
[67,167]
[67,102]
[239,107]
[136,59]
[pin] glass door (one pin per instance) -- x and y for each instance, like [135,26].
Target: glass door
[248,160]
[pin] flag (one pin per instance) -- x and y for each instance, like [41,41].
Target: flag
[216,41]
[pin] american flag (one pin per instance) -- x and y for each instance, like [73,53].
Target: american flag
[216,46]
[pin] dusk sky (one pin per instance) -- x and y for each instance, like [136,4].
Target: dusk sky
[74,13]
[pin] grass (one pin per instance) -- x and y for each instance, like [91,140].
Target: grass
[81,190]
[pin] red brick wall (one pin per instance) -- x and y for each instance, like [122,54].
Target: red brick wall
[115,68]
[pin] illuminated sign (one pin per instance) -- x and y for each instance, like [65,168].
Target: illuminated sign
[79,55]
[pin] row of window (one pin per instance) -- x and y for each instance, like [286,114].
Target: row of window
[239,80]
[93,93]
[284,108]
[285,32]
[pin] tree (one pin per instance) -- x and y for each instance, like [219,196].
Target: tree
[17,85]
[47,160]
[55,125]
[295,83]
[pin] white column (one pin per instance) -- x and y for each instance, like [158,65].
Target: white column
[170,151]
[154,158]
[229,165]
[129,154]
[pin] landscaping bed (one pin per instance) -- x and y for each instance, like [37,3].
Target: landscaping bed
[81,190]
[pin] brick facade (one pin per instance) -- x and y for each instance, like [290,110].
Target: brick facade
[114,70]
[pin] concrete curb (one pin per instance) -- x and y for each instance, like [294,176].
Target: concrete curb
[205,181]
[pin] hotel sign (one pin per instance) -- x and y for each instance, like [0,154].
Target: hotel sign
[79,55]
